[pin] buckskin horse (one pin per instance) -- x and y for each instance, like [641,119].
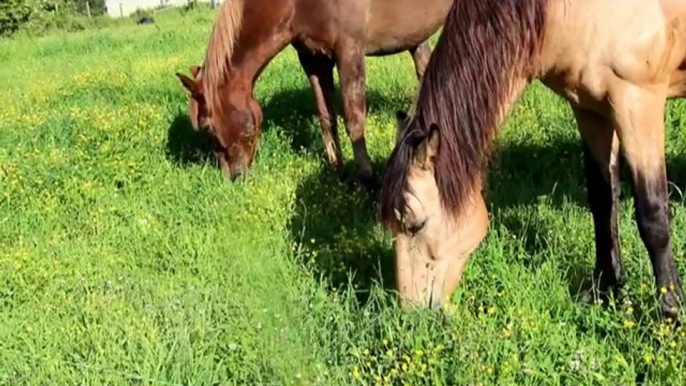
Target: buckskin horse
[616,64]
[325,33]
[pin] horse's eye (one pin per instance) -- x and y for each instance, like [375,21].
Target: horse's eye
[416,226]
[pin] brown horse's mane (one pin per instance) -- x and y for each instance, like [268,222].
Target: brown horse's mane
[484,45]
[217,64]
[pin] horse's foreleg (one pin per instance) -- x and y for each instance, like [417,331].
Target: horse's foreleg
[351,72]
[601,159]
[319,71]
[639,122]
[420,56]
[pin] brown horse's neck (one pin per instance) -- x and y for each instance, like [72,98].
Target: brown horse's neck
[248,62]
[255,45]
[251,58]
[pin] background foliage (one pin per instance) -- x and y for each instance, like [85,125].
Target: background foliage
[36,17]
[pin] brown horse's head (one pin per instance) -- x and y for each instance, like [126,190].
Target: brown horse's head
[234,120]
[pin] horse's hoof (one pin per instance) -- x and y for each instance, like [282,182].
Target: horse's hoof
[366,178]
[338,168]
[671,312]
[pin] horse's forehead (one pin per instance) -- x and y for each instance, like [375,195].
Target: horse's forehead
[420,181]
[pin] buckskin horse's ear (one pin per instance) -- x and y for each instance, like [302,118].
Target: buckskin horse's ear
[428,148]
[433,140]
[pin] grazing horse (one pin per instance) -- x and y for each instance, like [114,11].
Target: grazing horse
[325,33]
[615,62]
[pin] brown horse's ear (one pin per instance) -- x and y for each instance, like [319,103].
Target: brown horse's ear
[428,148]
[190,85]
[194,69]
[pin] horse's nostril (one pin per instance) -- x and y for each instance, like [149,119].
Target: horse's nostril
[416,226]
[236,173]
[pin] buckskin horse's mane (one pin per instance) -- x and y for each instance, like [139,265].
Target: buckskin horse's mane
[484,45]
[217,64]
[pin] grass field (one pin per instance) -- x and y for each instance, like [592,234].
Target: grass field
[127,259]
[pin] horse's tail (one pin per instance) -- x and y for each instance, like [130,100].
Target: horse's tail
[221,44]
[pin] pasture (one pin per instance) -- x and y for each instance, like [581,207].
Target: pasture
[126,258]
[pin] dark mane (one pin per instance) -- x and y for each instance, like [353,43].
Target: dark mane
[484,45]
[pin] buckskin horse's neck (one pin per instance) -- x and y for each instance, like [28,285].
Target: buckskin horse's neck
[675,13]
[517,86]
[478,70]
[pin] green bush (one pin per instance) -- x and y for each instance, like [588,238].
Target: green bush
[14,13]
[35,17]
[97,6]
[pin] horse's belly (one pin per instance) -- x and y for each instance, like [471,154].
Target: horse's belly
[390,45]
[386,39]
[394,26]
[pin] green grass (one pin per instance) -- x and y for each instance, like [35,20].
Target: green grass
[127,259]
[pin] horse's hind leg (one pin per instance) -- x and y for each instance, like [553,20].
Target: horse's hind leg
[420,56]
[319,71]
[638,116]
[601,151]
[351,72]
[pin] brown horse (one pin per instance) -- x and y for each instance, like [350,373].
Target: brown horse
[616,63]
[325,33]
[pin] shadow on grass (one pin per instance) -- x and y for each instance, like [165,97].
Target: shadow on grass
[335,228]
[337,221]
[293,111]
[342,218]
[187,146]
[527,176]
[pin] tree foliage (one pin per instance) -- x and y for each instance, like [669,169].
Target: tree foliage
[39,15]
[14,13]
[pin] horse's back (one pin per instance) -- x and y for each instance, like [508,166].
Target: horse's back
[383,26]
[592,43]
[614,33]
